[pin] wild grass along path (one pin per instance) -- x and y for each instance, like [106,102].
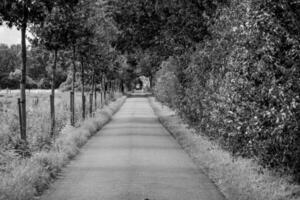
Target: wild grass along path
[133,158]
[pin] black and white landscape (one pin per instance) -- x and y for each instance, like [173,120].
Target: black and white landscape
[149,99]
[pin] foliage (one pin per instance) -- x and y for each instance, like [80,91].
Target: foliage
[39,67]
[167,82]
[241,85]
[9,60]
[238,178]
[159,29]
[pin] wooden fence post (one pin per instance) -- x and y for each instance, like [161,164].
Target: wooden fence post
[20,116]
[72,101]
[83,107]
[95,100]
[109,91]
[113,88]
[118,86]
[105,90]
[91,104]
[52,115]
[101,98]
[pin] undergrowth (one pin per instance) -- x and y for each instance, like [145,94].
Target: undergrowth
[25,178]
[238,178]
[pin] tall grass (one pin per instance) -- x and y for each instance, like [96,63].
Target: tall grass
[38,118]
[24,178]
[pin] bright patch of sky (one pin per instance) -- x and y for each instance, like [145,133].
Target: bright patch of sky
[9,36]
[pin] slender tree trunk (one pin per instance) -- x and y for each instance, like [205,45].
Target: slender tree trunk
[93,81]
[94,88]
[101,91]
[122,87]
[82,89]
[151,82]
[95,97]
[23,78]
[74,69]
[91,104]
[72,106]
[52,98]
[110,89]
[104,89]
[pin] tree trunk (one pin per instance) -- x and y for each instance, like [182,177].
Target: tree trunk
[91,104]
[104,90]
[82,90]
[101,91]
[23,77]
[52,102]
[122,87]
[93,82]
[151,82]
[94,88]
[74,69]
[72,106]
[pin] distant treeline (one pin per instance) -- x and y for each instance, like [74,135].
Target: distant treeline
[39,67]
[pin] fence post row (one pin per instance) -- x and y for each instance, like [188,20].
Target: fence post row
[107,89]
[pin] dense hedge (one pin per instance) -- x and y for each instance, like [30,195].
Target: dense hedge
[241,86]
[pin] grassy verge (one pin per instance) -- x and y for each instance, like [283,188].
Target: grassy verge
[38,118]
[239,178]
[23,179]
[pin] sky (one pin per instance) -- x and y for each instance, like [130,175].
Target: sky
[9,36]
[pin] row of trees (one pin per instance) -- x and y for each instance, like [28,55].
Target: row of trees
[76,33]
[230,67]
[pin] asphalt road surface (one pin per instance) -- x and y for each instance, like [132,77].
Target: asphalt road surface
[133,158]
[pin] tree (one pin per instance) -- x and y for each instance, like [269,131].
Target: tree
[20,14]
[53,35]
[161,28]
[93,46]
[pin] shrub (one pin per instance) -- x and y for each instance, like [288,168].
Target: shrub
[241,85]
[166,82]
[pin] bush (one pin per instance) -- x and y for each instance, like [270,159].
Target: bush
[166,82]
[241,86]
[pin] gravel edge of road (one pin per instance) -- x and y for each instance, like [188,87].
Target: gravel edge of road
[237,179]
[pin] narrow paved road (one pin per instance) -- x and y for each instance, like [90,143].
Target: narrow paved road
[133,158]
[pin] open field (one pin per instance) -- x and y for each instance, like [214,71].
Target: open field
[37,91]
[23,178]
[26,169]
[38,118]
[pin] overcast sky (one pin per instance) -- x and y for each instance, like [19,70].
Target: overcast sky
[9,36]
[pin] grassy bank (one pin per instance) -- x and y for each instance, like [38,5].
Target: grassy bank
[238,178]
[23,179]
[38,118]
